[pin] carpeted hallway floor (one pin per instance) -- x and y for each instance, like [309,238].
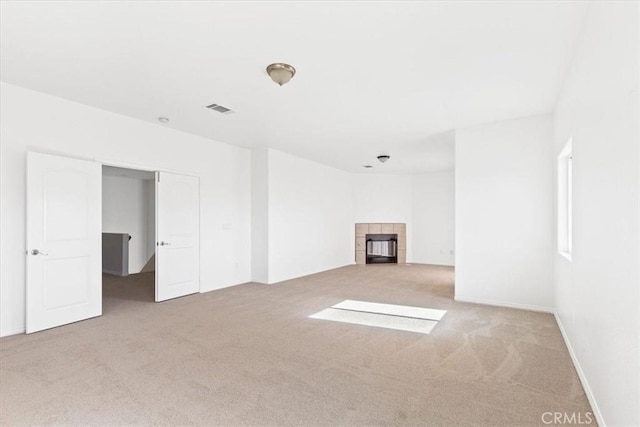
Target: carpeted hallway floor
[249,355]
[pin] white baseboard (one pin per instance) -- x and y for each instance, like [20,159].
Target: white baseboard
[581,376]
[114,273]
[9,332]
[505,304]
[430,263]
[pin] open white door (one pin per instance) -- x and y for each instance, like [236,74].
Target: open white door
[64,259]
[178,235]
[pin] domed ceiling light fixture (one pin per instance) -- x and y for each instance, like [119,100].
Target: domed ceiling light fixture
[281,73]
[383,158]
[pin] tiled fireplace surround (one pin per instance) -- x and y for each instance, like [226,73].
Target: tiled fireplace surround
[362,229]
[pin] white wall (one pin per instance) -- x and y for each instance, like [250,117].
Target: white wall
[597,292]
[433,218]
[125,209]
[260,215]
[504,213]
[304,213]
[384,198]
[35,121]
[310,217]
[313,208]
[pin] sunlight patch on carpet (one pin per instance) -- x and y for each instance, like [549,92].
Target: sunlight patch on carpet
[391,309]
[389,316]
[378,320]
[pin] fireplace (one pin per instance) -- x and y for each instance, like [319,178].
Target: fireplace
[370,249]
[382,248]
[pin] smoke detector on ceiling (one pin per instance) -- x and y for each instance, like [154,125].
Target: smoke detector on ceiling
[383,158]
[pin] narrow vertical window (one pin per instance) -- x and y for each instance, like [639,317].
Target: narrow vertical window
[565,198]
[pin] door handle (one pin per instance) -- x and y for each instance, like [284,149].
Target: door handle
[165,243]
[37,252]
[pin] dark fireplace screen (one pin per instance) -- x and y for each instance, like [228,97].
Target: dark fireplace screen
[382,248]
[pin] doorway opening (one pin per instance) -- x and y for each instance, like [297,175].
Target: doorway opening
[65,221]
[128,236]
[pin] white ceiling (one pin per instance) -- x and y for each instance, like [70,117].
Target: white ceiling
[373,77]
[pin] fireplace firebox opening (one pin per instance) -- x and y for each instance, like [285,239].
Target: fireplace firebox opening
[382,248]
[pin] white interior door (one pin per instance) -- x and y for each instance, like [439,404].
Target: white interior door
[178,235]
[64,260]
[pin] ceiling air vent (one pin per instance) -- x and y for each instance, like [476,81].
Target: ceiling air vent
[219,109]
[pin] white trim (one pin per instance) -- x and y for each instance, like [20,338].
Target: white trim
[566,255]
[581,375]
[110,162]
[115,272]
[137,166]
[431,263]
[567,149]
[13,332]
[564,200]
[124,165]
[505,304]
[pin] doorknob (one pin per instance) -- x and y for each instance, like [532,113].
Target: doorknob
[164,243]
[37,252]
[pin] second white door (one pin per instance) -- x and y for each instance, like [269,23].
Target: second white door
[177,235]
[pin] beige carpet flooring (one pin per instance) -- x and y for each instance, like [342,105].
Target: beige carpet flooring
[249,355]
